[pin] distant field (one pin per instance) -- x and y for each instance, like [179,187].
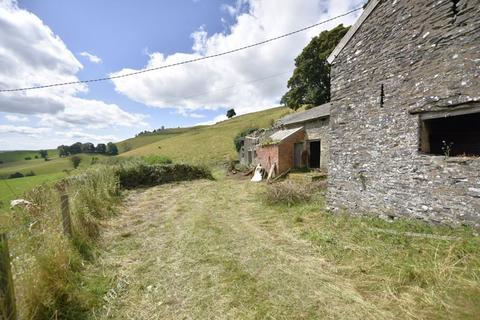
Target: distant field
[206,144]
[41,167]
[13,188]
[13,156]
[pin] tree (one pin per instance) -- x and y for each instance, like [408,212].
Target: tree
[231,113]
[112,149]
[43,153]
[76,148]
[310,83]
[63,151]
[88,147]
[101,148]
[75,161]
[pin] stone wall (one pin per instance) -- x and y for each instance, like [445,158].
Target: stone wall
[318,129]
[427,59]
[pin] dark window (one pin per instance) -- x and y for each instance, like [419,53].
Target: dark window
[451,136]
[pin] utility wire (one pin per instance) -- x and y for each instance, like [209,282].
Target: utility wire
[185,61]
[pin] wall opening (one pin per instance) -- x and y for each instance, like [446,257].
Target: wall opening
[314,161]
[455,7]
[382,96]
[451,136]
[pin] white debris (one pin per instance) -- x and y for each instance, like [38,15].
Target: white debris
[258,176]
[20,203]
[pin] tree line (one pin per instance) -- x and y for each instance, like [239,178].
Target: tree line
[146,132]
[88,147]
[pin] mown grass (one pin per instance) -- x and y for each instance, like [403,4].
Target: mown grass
[208,145]
[217,249]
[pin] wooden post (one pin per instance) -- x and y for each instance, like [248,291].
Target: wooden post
[66,221]
[8,309]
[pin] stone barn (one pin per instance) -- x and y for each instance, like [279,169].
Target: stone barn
[405,115]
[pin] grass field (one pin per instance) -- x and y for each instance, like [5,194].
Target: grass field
[207,145]
[45,171]
[14,188]
[14,156]
[216,250]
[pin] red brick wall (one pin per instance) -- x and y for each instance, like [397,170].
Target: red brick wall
[282,153]
[267,156]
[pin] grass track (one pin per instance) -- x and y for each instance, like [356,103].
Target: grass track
[214,250]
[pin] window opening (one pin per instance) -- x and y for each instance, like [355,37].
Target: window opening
[451,136]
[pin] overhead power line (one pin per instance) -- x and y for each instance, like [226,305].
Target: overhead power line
[185,61]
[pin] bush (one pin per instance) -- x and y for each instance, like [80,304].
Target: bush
[28,158]
[75,161]
[290,193]
[29,174]
[135,174]
[237,141]
[16,175]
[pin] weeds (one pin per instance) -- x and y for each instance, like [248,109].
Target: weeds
[291,193]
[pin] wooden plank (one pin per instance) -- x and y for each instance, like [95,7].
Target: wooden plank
[8,310]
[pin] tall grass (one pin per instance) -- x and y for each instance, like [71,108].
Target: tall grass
[47,265]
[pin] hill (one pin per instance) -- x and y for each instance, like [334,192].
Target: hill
[207,145]
[20,155]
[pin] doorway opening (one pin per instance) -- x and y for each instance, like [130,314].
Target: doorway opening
[315,150]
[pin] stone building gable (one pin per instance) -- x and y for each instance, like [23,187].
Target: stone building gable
[408,57]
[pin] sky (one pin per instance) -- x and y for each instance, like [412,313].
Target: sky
[51,41]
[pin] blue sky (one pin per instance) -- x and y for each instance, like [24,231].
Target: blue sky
[56,40]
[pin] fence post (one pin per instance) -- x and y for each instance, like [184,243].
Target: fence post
[66,221]
[8,309]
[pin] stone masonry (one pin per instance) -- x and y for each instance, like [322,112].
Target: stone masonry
[426,55]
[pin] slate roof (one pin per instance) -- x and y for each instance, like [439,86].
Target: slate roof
[311,114]
[281,135]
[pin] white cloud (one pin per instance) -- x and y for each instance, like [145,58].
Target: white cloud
[28,131]
[30,55]
[14,118]
[83,136]
[91,57]
[179,87]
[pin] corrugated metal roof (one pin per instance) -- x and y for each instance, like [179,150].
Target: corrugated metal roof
[281,135]
[311,114]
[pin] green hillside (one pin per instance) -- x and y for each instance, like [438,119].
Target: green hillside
[14,156]
[206,144]
[140,141]
[41,167]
